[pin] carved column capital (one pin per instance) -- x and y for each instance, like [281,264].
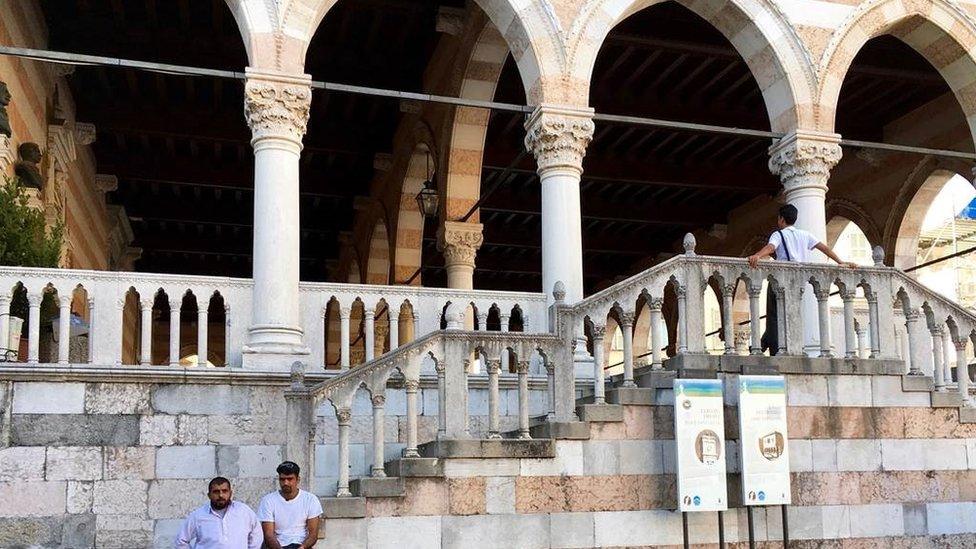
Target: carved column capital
[558,137]
[277,106]
[803,159]
[460,242]
[344,416]
[627,319]
[522,367]
[494,366]
[599,332]
[961,344]
[848,294]
[378,400]
[656,303]
[411,385]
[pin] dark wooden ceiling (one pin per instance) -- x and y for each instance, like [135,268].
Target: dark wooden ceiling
[181,150]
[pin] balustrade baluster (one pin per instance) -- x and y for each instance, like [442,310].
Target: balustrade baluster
[344,314]
[599,363]
[64,328]
[5,328]
[441,402]
[145,342]
[962,369]
[874,327]
[781,331]
[850,334]
[947,354]
[863,346]
[504,328]
[728,292]
[755,346]
[682,293]
[937,369]
[369,324]
[394,330]
[523,398]
[379,449]
[175,305]
[627,329]
[494,365]
[411,386]
[344,419]
[34,331]
[657,356]
[551,391]
[823,312]
[91,331]
[916,351]
[203,317]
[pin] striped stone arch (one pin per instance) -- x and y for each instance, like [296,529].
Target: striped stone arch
[378,260]
[277,34]
[757,29]
[939,30]
[465,151]
[409,228]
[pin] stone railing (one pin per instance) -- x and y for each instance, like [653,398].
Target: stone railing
[455,353]
[685,279]
[121,311]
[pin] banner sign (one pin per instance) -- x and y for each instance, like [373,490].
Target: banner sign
[699,432]
[764,446]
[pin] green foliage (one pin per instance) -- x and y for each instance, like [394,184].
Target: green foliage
[24,240]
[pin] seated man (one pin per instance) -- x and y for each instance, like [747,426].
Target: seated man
[220,524]
[290,516]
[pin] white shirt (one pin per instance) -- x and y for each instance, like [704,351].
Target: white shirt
[289,516]
[798,241]
[205,529]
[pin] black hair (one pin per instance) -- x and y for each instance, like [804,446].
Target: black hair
[288,468]
[788,213]
[217,481]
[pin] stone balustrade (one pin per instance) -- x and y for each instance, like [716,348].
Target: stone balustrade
[456,354]
[121,312]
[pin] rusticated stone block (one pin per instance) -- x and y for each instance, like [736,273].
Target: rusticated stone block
[157,430]
[74,430]
[201,399]
[32,498]
[119,497]
[130,462]
[21,463]
[117,398]
[74,463]
[35,531]
[192,430]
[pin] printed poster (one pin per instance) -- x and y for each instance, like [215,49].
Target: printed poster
[764,445]
[699,432]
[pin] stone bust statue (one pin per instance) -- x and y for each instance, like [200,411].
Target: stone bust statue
[26,168]
[4,118]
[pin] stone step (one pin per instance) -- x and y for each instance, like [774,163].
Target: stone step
[632,396]
[600,412]
[916,384]
[345,507]
[377,487]
[488,449]
[561,430]
[967,414]
[415,467]
[946,399]
[654,379]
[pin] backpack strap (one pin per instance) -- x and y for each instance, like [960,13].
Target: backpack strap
[786,248]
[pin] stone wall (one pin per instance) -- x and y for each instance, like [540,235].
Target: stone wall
[118,461]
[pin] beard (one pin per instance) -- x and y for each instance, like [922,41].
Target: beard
[220,504]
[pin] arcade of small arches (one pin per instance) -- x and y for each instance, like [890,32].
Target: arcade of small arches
[561,198]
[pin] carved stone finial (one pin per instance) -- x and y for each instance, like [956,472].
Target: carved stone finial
[558,137]
[689,244]
[460,242]
[277,108]
[878,255]
[559,291]
[297,376]
[804,159]
[455,316]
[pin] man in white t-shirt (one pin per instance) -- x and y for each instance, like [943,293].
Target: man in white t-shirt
[789,244]
[290,516]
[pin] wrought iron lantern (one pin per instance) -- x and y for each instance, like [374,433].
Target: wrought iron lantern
[427,199]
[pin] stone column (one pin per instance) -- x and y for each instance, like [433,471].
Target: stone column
[504,318]
[728,330]
[851,342]
[344,314]
[379,403]
[459,242]
[874,330]
[558,138]
[937,367]
[916,351]
[493,368]
[344,420]
[300,426]
[627,330]
[803,161]
[682,293]
[522,368]
[276,108]
[174,331]
[411,386]
[755,347]
[91,329]
[394,329]
[145,342]
[863,344]
[823,314]
[64,328]
[947,353]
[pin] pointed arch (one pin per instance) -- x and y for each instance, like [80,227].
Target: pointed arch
[378,260]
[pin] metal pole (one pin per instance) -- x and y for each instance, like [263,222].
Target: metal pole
[721,532]
[182,70]
[786,527]
[752,528]
[684,528]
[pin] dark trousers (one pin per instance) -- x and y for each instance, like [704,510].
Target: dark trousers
[770,338]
